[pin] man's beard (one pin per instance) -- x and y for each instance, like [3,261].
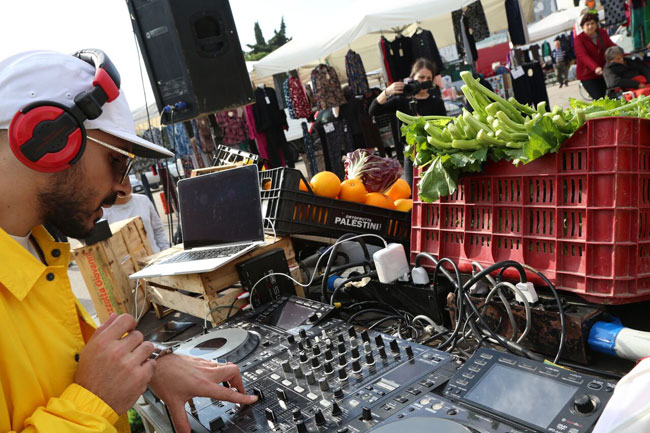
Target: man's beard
[68,204]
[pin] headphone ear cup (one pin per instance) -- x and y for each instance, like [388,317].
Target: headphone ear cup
[47,137]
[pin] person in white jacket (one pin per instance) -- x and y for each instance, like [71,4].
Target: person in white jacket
[131,205]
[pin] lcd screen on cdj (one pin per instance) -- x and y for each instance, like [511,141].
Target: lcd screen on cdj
[289,316]
[529,397]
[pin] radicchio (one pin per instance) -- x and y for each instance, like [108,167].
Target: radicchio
[377,173]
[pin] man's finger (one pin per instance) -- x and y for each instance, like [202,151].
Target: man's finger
[142,352]
[179,417]
[218,392]
[123,324]
[133,340]
[106,324]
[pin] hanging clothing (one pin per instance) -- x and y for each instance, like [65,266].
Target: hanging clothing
[327,87]
[179,139]
[515,22]
[425,46]
[469,44]
[205,135]
[253,134]
[614,12]
[272,121]
[278,79]
[638,27]
[299,100]
[356,73]
[546,49]
[336,141]
[287,99]
[530,89]
[386,59]
[534,52]
[312,164]
[474,20]
[233,124]
[402,54]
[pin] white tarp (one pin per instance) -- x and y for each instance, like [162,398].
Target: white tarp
[362,19]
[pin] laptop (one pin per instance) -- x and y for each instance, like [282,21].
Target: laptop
[221,219]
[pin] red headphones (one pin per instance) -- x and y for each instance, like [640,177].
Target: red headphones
[48,136]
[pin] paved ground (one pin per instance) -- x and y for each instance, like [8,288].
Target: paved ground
[557,96]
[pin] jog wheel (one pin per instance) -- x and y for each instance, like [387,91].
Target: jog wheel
[231,344]
[423,424]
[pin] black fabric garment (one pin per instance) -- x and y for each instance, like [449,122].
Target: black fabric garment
[310,151]
[534,52]
[567,46]
[515,23]
[596,87]
[475,20]
[469,43]
[351,112]
[278,80]
[336,140]
[517,58]
[618,75]
[527,57]
[371,137]
[266,110]
[387,58]
[425,46]
[277,146]
[402,54]
[530,90]
[424,107]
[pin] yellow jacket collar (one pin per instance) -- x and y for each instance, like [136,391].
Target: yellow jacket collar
[19,270]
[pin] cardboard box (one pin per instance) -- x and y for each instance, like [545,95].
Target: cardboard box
[106,266]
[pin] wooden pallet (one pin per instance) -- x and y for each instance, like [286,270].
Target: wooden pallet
[199,294]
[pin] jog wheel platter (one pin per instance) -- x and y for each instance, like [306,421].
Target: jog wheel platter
[229,344]
[421,425]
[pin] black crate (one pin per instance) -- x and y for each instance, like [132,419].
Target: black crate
[298,212]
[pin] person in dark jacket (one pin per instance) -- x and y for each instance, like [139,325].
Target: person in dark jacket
[624,73]
[590,46]
[425,102]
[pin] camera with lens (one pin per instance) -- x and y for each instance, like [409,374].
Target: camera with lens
[413,87]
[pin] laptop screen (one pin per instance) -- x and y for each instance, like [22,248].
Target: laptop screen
[222,207]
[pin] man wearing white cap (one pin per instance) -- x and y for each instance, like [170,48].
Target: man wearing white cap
[67,141]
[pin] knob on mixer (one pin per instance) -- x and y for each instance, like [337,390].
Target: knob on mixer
[584,404]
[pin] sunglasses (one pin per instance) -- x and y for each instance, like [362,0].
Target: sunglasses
[123,171]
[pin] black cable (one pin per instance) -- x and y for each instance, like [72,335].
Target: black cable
[380,321]
[369,310]
[459,300]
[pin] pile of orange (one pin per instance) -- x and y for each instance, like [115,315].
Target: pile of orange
[327,184]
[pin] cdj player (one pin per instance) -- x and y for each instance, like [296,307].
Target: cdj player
[315,374]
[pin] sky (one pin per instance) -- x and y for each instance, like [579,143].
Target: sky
[70,25]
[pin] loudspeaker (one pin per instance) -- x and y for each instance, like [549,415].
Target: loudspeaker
[193,56]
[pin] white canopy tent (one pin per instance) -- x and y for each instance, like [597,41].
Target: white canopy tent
[361,25]
[555,23]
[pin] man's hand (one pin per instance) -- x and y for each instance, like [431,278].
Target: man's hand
[599,71]
[180,378]
[116,369]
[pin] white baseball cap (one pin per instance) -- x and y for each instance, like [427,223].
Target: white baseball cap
[50,76]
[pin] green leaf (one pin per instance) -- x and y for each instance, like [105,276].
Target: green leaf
[437,181]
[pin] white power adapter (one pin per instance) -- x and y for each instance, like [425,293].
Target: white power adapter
[420,276]
[528,290]
[391,263]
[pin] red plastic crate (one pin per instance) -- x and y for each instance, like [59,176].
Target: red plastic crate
[581,216]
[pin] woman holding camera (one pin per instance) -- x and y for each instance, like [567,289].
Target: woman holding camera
[398,96]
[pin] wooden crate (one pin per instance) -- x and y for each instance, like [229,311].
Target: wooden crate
[197,294]
[106,266]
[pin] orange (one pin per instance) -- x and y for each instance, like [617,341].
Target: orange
[379,200]
[302,186]
[266,184]
[353,190]
[400,189]
[404,204]
[326,184]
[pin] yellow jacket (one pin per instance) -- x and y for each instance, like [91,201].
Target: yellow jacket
[42,330]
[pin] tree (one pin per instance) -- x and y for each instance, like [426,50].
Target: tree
[261,48]
[260,45]
[280,37]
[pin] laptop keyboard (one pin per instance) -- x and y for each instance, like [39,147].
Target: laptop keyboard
[211,253]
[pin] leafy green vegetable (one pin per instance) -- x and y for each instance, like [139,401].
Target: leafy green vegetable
[497,129]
